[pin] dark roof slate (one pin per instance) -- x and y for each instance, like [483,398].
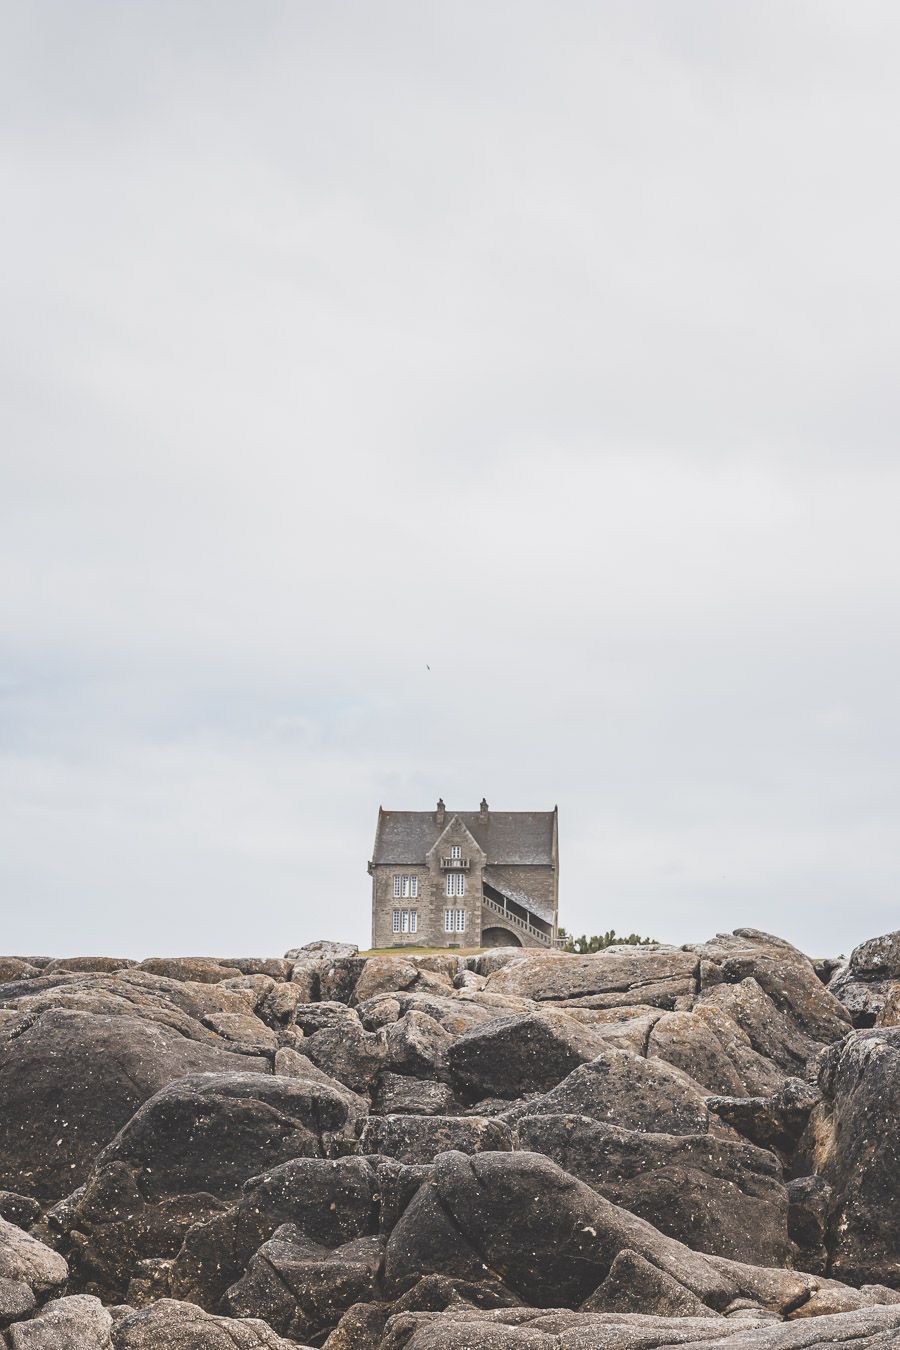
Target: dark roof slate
[507,837]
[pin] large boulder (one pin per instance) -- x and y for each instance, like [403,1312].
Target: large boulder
[715,1195]
[554,1241]
[182,1326]
[857,1137]
[523,1052]
[773,1034]
[347,1051]
[30,1273]
[78,1321]
[462,1328]
[625,1089]
[331,1201]
[784,973]
[689,1043]
[69,1081]
[199,969]
[398,1094]
[777,1122]
[653,975]
[419,1139]
[185,1155]
[301,1287]
[867,982]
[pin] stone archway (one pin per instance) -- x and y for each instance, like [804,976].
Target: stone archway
[499,937]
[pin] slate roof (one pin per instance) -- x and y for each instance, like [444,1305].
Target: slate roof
[507,837]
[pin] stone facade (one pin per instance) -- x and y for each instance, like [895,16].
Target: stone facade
[465,878]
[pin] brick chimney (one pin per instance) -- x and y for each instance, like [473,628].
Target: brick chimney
[440,812]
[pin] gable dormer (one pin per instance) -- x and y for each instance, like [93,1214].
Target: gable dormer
[456,849]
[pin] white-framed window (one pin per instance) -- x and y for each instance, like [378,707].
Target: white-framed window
[456,883]
[454,920]
[456,851]
[395,923]
[405,921]
[405,887]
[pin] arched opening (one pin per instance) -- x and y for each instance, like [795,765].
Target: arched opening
[499,937]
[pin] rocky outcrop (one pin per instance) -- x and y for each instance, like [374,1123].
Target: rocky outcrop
[640,1149]
[870,980]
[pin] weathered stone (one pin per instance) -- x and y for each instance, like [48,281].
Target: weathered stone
[182,1326]
[330,950]
[858,1146]
[640,976]
[248,1032]
[210,1132]
[545,1235]
[301,1287]
[353,1056]
[463,1328]
[382,975]
[634,1285]
[529,1052]
[771,1032]
[688,1043]
[775,1122]
[15,968]
[107,965]
[185,1154]
[70,1080]
[29,1272]
[418,1139]
[865,984]
[78,1321]
[890,1013]
[21,1210]
[197,969]
[624,1089]
[275,968]
[720,1197]
[399,1094]
[810,1202]
[878,959]
[417,1044]
[331,1202]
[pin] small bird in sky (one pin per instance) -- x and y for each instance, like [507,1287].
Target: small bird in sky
[427,666]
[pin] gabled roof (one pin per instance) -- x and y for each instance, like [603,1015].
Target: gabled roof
[455,829]
[507,837]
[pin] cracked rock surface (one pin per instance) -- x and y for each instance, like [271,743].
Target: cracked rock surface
[635,1150]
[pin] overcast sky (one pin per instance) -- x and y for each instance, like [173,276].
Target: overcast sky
[551,344]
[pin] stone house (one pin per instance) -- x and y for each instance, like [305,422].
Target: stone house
[465,878]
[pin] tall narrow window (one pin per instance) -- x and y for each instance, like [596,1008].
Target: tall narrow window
[456,883]
[413,887]
[397,881]
[456,851]
[413,920]
[395,924]
[454,920]
[405,886]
